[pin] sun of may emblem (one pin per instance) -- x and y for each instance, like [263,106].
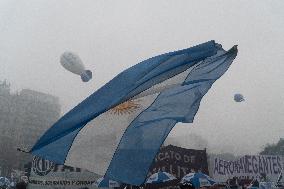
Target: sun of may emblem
[127,107]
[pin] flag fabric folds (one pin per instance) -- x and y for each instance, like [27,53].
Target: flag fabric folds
[117,131]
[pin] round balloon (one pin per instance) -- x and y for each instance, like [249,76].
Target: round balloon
[72,62]
[239,97]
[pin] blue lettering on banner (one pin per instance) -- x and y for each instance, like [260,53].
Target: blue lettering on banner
[216,166]
[260,165]
[221,167]
[254,165]
[279,164]
[249,165]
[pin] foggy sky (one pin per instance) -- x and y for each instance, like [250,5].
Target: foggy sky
[111,36]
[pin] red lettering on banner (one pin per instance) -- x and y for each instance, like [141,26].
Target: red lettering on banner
[231,167]
[260,164]
[279,164]
[270,167]
[274,164]
[265,164]
[242,165]
[254,165]
[221,167]
[216,166]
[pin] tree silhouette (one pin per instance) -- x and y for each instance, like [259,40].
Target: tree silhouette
[274,149]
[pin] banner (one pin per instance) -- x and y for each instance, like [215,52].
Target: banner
[179,161]
[47,175]
[248,167]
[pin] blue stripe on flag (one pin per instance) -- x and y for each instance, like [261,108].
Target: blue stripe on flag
[57,150]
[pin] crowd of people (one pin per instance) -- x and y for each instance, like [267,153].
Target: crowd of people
[19,185]
[234,183]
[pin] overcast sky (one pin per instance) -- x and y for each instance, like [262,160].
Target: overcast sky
[111,36]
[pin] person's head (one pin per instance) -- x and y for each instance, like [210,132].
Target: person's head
[21,185]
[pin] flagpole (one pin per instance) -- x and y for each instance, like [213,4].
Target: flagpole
[22,150]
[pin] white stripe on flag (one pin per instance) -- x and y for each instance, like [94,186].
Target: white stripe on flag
[95,145]
[176,80]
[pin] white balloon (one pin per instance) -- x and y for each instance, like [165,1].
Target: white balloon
[72,62]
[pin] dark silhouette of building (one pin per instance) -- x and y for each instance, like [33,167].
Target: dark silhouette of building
[24,116]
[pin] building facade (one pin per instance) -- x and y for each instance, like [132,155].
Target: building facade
[24,117]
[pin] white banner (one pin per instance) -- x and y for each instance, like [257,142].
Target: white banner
[47,175]
[247,167]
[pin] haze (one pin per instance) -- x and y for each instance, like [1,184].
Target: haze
[111,36]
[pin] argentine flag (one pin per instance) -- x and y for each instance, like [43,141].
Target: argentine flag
[117,131]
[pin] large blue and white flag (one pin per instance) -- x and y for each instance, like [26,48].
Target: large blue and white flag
[117,131]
